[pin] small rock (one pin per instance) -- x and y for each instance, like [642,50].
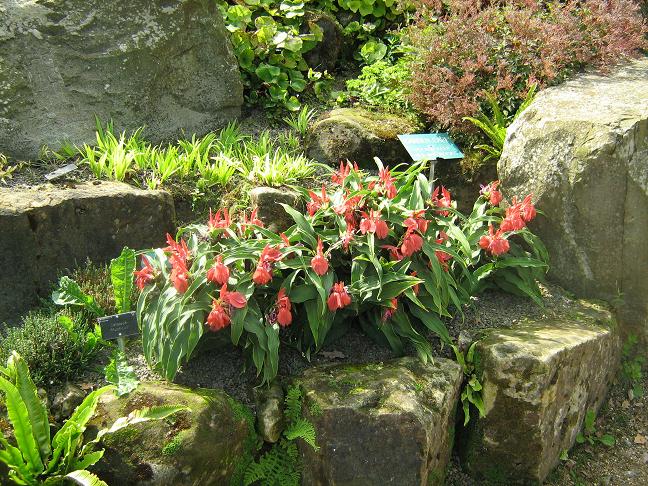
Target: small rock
[606,481]
[268,200]
[625,404]
[380,423]
[633,473]
[359,136]
[324,56]
[332,354]
[270,417]
[640,439]
[644,457]
[66,401]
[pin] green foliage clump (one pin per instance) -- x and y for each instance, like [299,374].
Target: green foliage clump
[280,465]
[34,457]
[207,162]
[382,84]
[56,347]
[270,38]
[591,435]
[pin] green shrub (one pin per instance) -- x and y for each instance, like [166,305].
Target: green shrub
[53,352]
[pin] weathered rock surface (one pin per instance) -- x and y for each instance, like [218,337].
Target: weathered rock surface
[267,201]
[46,230]
[269,411]
[390,423]
[359,136]
[197,447]
[66,400]
[582,150]
[168,65]
[539,379]
[324,56]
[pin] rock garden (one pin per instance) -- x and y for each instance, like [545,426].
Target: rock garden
[222,264]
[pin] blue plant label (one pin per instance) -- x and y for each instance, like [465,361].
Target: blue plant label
[430,146]
[118,326]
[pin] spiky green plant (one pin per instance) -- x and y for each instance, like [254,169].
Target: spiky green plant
[301,120]
[496,126]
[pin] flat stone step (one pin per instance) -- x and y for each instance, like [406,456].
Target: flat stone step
[539,379]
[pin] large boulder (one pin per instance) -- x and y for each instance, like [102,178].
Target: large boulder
[582,150]
[168,65]
[539,380]
[359,135]
[48,229]
[324,56]
[268,203]
[201,446]
[387,423]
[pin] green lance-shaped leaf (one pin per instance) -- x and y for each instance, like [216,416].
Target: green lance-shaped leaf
[23,432]
[121,276]
[35,407]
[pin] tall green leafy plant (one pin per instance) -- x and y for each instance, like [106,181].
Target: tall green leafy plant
[39,458]
[384,250]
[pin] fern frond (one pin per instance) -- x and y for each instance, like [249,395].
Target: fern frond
[277,467]
[293,401]
[302,429]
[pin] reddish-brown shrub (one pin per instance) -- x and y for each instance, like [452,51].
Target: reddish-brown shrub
[479,46]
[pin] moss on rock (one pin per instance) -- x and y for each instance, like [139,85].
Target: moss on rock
[360,135]
[199,446]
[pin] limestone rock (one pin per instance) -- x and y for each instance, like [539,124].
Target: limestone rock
[66,400]
[359,136]
[267,202]
[582,150]
[390,423]
[47,229]
[269,412]
[539,379]
[197,447]
[168,65]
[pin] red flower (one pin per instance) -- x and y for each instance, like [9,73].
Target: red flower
[412,242]
[218,273]
[391,310]
[245,221]
[179,274]
[263,273]
[285,241]
[235,299]
[145,275]
[444,202]
[347,238]
[373,223]
[218,318]
[490,191]
[220,315]
[513,220]
[218,220]
[441,255]
[180,250]
[316,201]
[341,174]
[527,209]
[284,316]
[494,243]
[339,297]
[319,263]
[394,252]
[386,183]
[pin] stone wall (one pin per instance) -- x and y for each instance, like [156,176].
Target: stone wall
[45,230]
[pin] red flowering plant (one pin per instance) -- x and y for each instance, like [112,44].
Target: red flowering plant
[384,248]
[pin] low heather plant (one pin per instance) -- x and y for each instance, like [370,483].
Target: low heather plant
[504,47]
